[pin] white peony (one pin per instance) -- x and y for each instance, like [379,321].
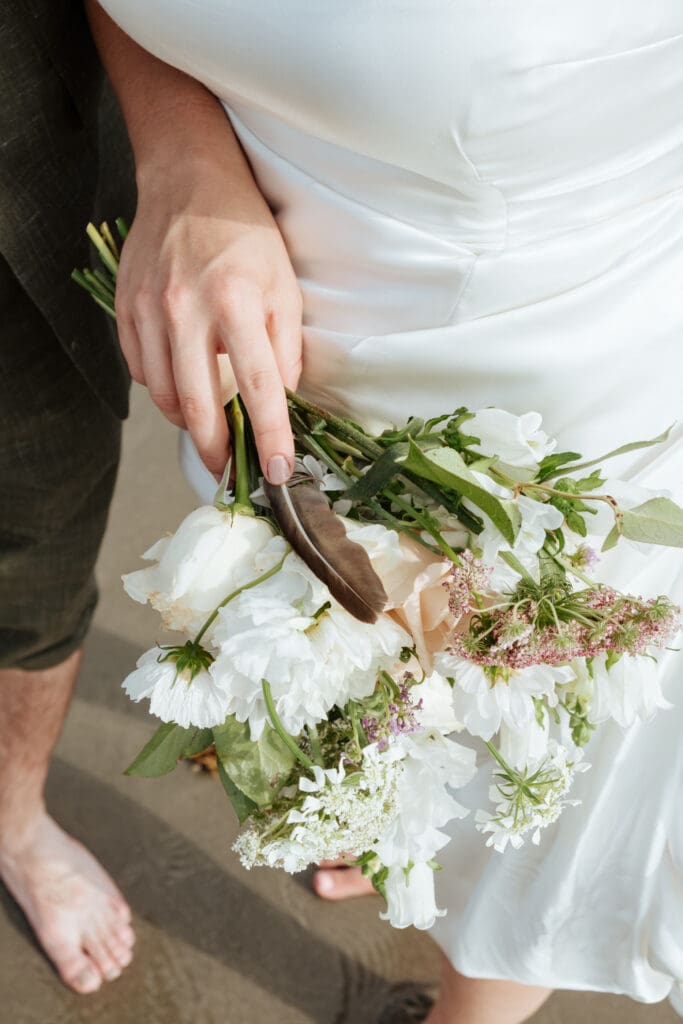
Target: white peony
[211,554]
[313,653]
[483,701]
[175,696]
[411,899]
[518,441]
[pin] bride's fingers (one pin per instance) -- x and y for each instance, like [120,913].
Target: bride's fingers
[195,371]
[284,329]
[246,340]
[157,366]
[341,884]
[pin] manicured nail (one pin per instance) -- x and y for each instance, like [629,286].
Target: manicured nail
[278,469]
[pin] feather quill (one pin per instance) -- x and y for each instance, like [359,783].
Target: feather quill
[318,536]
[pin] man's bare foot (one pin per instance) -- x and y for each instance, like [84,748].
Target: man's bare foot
[78,915]
[336,880]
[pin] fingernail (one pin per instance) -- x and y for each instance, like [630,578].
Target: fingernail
[278,470]
[113,974]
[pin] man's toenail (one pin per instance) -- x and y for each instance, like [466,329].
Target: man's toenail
[87,980]
[112,974]
[323,883]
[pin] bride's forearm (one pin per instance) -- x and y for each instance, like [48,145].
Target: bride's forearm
[171,118]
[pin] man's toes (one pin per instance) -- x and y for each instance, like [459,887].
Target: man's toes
[120,954]
[341,883]
[98,951]
[121,908]
[81,975]
[125,935]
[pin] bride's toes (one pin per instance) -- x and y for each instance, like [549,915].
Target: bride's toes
[341,883]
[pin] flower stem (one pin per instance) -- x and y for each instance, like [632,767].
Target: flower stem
[279,727]
[239,447]
[240,590]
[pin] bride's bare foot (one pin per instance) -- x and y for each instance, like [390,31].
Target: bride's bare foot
[335,880]
[78,915]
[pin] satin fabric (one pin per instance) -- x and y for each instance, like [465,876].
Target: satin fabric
[483,203]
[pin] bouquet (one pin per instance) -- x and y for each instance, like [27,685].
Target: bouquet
[340,636]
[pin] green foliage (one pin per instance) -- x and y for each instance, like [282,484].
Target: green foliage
[167,746]
[446,467]
[657,521]
[552,463]
[241,803]
[259,769]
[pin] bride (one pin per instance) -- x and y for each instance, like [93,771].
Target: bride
[411,205]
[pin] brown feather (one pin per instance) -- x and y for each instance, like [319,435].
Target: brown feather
[318,536]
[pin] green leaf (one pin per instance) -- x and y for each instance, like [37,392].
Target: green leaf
[634,446]
[551,463]
[379,475]
[241,803]
[202,739]
[657,521]
[444,466]
[161,754]
[258,768]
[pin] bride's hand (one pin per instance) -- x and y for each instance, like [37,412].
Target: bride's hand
[205,271]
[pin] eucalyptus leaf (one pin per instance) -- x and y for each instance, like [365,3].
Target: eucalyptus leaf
[444,466]
[161,754]
[259,768]
[657,521]
[634,446]
[241,803]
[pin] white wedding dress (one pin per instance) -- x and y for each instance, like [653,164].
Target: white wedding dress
[483,202]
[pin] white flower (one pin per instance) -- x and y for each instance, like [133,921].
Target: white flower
[518,441]
[528,800]
[432,765]
[411,898]
[483,698]
[522,747]
[313,653]
[175,696]
[342,813]
[627,691]
[317,471]
[537,517]
[211,554]
[436,712]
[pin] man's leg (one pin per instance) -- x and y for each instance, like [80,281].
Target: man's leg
[79,916]
[59,450]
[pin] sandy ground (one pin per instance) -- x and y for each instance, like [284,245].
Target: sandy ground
[216,945]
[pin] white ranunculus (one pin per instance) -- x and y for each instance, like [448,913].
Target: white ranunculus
[483,703]
[175,696]
[518,441]
[314,654]
[411,899]
[211,554]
